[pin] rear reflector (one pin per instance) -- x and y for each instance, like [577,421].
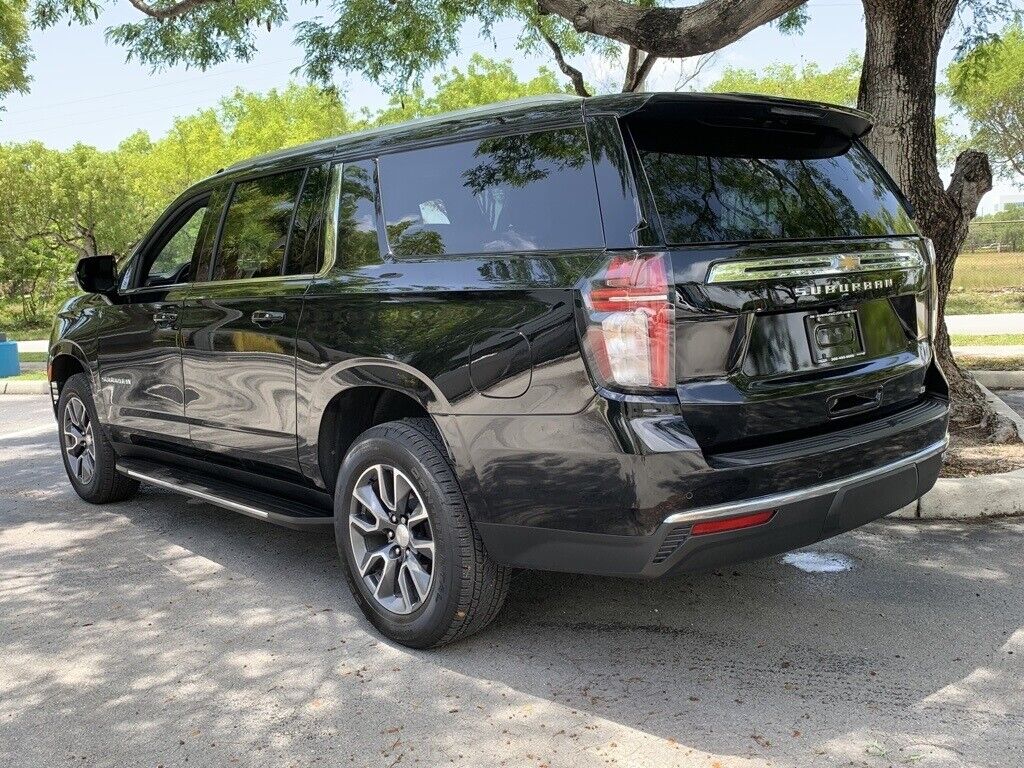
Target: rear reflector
[732,523]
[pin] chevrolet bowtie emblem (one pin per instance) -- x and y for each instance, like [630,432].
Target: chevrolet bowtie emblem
[847,262]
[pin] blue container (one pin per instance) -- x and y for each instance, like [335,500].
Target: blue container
[9,365]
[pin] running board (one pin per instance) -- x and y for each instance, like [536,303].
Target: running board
[263,506]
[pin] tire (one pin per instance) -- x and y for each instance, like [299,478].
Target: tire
[466,588]
[77,424]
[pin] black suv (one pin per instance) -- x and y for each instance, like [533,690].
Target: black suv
[621,335]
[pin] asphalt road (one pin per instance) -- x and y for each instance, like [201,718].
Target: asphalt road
[165,632]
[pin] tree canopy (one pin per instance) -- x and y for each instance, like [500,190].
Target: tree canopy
[833,86]
[57,205]
[987,87]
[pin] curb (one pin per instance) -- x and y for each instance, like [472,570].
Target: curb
[969,498]
[1000,407]
[1000,379]
[24,387]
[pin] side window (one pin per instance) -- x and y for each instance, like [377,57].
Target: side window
[505,194]
[357,221]
[307,243]
[169,263]
[254,237]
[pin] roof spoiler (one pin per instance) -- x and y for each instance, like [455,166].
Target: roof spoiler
[739,109]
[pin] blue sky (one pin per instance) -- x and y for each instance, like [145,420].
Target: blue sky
[84,90]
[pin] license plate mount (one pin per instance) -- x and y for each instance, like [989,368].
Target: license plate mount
[834,336]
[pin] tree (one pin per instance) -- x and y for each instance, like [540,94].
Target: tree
[838,85]
[56,207]
[899,89]
[395,44]
[987,87]
[485,81]
[14,50]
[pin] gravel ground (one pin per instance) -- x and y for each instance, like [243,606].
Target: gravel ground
[165,632]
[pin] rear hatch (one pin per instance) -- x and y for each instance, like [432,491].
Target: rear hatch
[801,284]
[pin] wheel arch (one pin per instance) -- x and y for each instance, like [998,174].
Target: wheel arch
[355,409]
[66,359]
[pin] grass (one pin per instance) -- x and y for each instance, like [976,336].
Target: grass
[27,376]
[980,363]
[981,302]
[998,339]
[32,357]
[988,270]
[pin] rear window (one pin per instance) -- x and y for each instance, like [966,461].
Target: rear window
[707,198]
[505,194]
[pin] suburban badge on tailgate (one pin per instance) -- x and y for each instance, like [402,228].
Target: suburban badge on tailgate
[843,288]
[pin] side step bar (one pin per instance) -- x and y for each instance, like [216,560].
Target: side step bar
[262,506]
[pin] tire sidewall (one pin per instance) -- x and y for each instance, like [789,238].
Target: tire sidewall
[78,386]
[428,623]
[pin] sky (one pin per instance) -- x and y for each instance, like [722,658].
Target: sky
[84,90]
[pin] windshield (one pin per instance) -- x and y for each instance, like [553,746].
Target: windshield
[707,198]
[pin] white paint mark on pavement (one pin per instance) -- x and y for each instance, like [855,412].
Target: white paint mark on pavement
[819,562]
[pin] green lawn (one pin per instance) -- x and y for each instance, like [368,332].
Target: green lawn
[989,270]
[32,357]
[977,363]
[26,333]
[27,376]
[999,339]
[980,302]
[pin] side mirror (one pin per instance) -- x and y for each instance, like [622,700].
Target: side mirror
[97,274]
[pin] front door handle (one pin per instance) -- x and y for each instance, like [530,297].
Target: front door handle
[267,317]
[165,319]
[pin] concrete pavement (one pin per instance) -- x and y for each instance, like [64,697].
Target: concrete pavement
[986,325]
[165,632]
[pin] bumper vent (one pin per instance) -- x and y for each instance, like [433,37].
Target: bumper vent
[671,543]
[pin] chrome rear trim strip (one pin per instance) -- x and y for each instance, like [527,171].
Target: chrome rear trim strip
[813,265]
[791,497]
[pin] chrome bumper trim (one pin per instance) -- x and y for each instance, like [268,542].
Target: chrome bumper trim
[791,497]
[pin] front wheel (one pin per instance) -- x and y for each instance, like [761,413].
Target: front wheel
[88,456]
[413,559]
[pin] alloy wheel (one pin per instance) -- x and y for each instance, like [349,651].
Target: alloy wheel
[79,443]
[392,539]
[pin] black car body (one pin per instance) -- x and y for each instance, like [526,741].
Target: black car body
[653,331]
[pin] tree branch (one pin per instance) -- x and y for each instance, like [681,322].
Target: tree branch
[669,32]
[173,11]
[570,71]
[643,71]
[971,180]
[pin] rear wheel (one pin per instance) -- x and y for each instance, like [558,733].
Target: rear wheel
[88,456]
[413,559]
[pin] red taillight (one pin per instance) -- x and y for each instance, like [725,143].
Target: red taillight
[629,336]
[732,523]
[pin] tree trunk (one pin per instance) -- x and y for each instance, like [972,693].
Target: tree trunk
[897,87]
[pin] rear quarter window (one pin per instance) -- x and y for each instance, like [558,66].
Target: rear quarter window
[504,194]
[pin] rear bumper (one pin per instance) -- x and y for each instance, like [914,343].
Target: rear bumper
[801,517]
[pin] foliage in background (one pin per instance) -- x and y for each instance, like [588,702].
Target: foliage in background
[14,51]
[987,87]
[485,81]
[56,206]
[833,86]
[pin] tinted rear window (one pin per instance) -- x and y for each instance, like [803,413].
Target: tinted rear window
[704,198]
[527,192]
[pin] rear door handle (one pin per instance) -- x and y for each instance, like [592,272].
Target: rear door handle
[267,317]
[164,318]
